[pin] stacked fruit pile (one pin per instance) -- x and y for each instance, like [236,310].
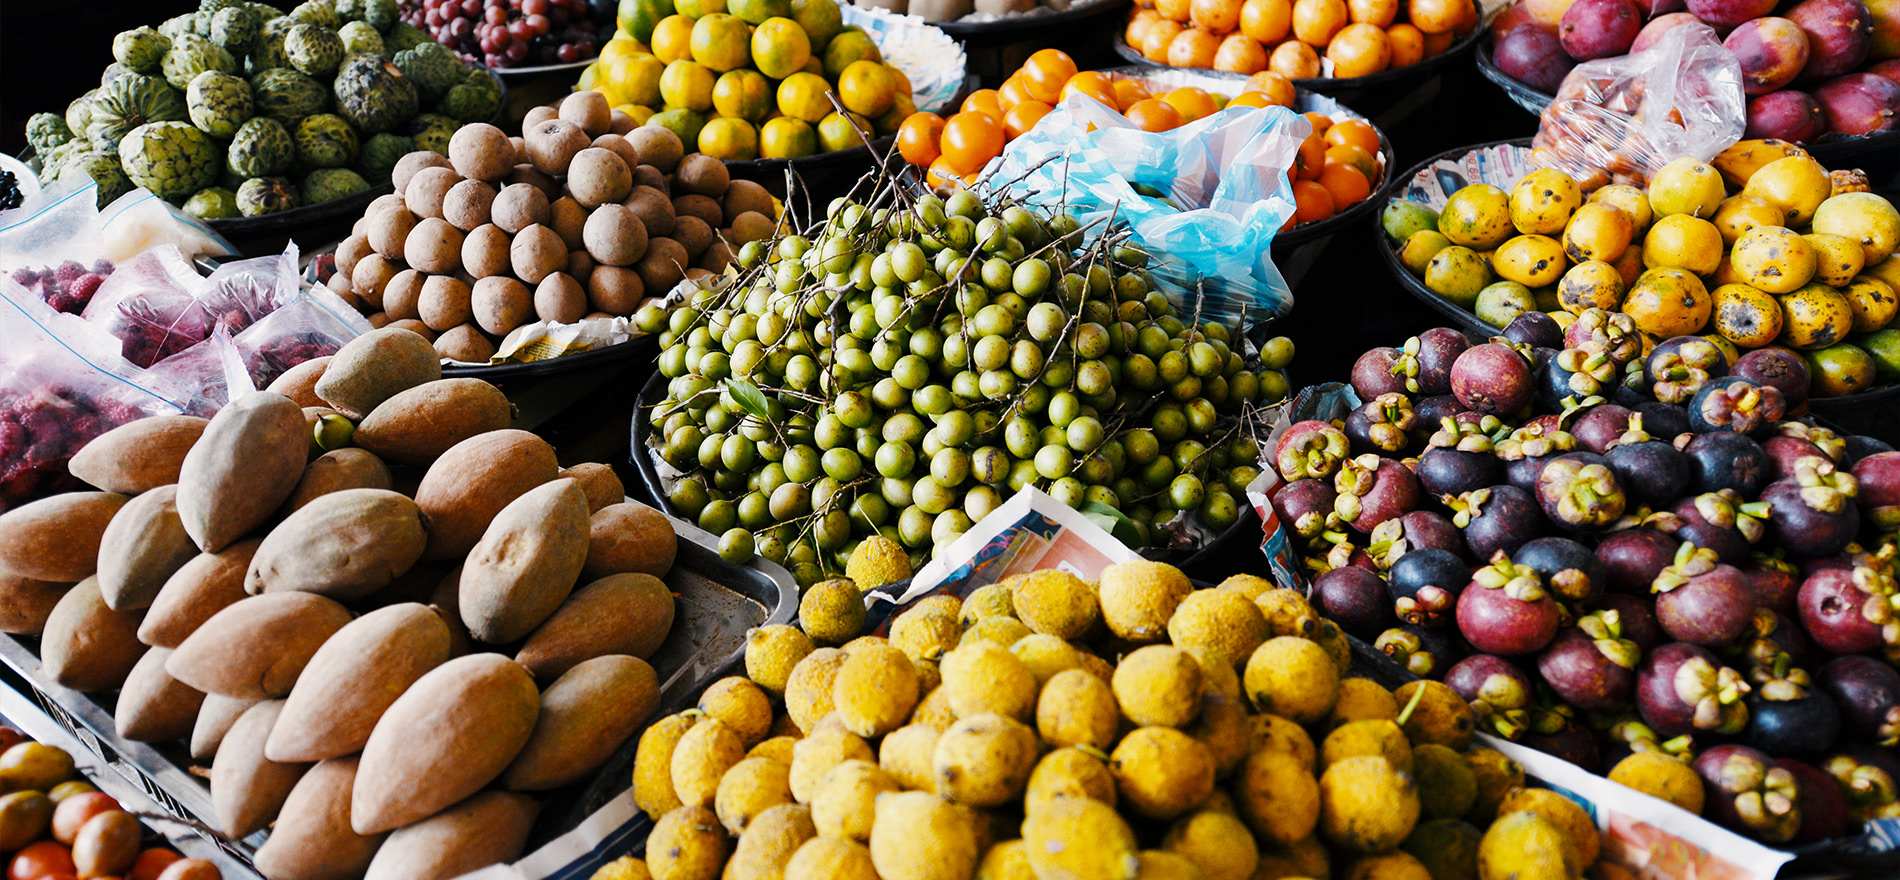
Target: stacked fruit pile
[1796,258]
[507,33]
[1598,590]
[336,93]
[1357,37]
[993,737]
[508,605]
[55,825]
[898,370]
[1845,54]
[749,78]
[571,221]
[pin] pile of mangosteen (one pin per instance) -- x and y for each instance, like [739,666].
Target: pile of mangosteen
[1608,551]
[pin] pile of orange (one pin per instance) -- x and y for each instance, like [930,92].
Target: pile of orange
[1360,37]
[955,149]
[1338,166]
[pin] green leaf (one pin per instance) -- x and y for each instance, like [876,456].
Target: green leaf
[1113,522]
[749,397]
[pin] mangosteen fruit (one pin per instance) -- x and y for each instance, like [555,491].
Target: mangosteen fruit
[1869,777]
[1835,605]
[1506,610]
[1305,506]
[1571,571]
[1590,665]
[1423,651]
[1632,558]
[1776,583]
[1878,476]
[1653,473]
[1814,509]
[1575,374]
[1600,426]
[1825,814]
[1460,459]
[1500,694]
[1355,599]
[1720,522]
[1867,692]
[1732,403]
[1578,492]
[1376,372]
[1678,367]
[1636,619]
[1425,361]
[1682,688]
[1789,442]
[1372,490]
[1774,649]
[1310,450]
[1528,448]
[1498,519]
[1701,601]
[1858,447]
[1424,586]
[1430,413]
[1612,333]
[1803,721]
[1536,329]
[1491,378]
[1426,530]
[1662,420]
[1747,792]
[1572,742]
[1777,368]
[1382,426]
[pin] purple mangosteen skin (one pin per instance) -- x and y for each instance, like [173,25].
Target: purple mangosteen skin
[1632,558]
[1725,460]
[1656,699]
[1804,726]
[1663,421]
[1573,743]
[1507,520]
[1392,493]
[1373,373]
[1783,451]
[1355,599]
[1711,610]
[1784,370]
[1831,606]
[1598,428]
[1304,505]
[1825,814]
[1498,624]
[1775,588]
[1638,619]
[1382,426]
[1879,478]
[1582,675]
[1492,379]
[1427,359]
[1721,801]
[1867,691]
[1426,530]
[1444,471]
[1535,329]
[1800,528]
[1728,543]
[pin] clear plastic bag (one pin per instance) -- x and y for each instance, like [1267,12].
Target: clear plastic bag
[1225,174]
[240,293]
[314,324]
[203,373]
[1619,120]
[61,385]
[50,246]
[151,306]
[140,221]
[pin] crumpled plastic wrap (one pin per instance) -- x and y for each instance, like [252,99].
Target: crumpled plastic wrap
[932,61]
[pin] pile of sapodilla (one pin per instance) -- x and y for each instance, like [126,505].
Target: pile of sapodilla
[574,219]
[217,579]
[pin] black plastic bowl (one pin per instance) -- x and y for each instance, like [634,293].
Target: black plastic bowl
[1385,79]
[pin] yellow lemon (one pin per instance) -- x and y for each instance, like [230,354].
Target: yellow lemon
[636,80]
[742,94]
[756,11]
[699,8]
[787,138]
[733,139]
[681,122]
[849,46]
[866,88]
[820,19]
[780,47]
[721,42]
[673,39]
[687,85]
[901,109]
[802,96]
[836,133]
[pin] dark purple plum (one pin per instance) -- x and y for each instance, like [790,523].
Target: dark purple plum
[1733,403]
[1825,814]
[1376,372]
[1612,332]
[1703,602]
[1590,665]
[1833,608]
[1776,584]
[1355,599]
[1533,55]
[1725,461]
[1311,449]
[1491,378]
[1506,610]
[1305,505]
[1867,692]
[1423,651]
[1779,368]
[1592,29]
[1575,374]
[1879,479]
[1372,490]
[1663,421]
[1382,426]
[1460,460]
[1501,518]
[1571,571]
[1579,492]
[1499,692]
[1637,619]
[1860,104]
[1859,448]
[1802,722]
[1789,115]
[1682,688]
[1535,329]
[1653,472]
[1600,427]
[1793,441]
[1747,792]
[1632,558]
[1573,742]
[1678,367]
[1840,33]
[1425,361]
[1814,509]
[1424,586]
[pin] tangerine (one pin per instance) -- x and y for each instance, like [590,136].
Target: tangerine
[1294,60]
[1354,133]
[1434,17]
[1311,159]
[742,94]
[729,139]
[1154,46]
[802,96]
[1266,21]
[866,88]
[1154,114]
[1046,72]
[1128,91]
[1175,10]
[1278,89]
[1193,48]
[1024,117]
[970,140]
[780,47]
[983,101]
[1316,21]
[837,132]
[1347,185]
[1355,157]
[1313,202]
[1359,49]
[1012,92]
[1408,44]
[1138,25]
[1251,99]
[1191,102]
[917,138]
[788,137]
[1378,13]
[1093,83]
[721,42]
[1239,53]
[673,39]
[1217,16]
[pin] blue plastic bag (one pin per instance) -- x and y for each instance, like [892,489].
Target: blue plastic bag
[1227,172]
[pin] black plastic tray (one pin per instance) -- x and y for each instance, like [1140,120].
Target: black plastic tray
[1026,27]
[1532,100]
[1464,320]
[718,603]
[1409,75]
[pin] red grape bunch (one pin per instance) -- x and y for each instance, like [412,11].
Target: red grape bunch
[508,33]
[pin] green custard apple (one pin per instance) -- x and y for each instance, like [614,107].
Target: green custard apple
[235,29]
[373,95]
[262,147]
[433,68]
[141,49]
[191,55]
[325,184]
[44,131]
[212,203]
[172,159]
[325,141]
[219,103]
[359,37]
[380,154]
[287,96]
[265,195]
[129,102]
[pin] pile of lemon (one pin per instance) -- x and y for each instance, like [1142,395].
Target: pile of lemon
[745,79]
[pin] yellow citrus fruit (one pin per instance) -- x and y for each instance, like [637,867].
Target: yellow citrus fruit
[639,113]
[742,94]
[636,80]
[815,65]
[780,47]
[866,88]
[848,46]
[802,96]
[820,19]
[673,39]
[617,48]
[591,78]
[721,42]
[901,109]
[682,122]
[836,133]
[687,85]
[699,8]
[902,80]
[756,11]
[733,139]
[787,138]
